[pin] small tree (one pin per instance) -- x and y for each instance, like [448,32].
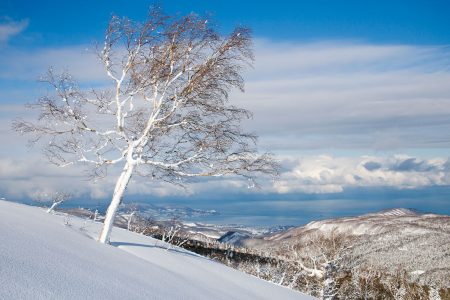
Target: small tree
[166,115]
[56,199]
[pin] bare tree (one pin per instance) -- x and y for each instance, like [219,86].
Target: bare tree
[55,198]
[166,115]
[174,236]
[130,219]
[319,259]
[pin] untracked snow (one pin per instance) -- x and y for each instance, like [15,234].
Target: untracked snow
[54,256]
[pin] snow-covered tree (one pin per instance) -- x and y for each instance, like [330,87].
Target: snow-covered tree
[130,219]
[55,199]
[166,115]
[330,288]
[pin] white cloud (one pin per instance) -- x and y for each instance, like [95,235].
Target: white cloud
[325,174]
[309,174]
[10,28]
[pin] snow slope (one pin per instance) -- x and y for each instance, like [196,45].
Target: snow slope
[42,258]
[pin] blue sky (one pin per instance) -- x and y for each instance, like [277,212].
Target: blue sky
[411,22]
[350,95]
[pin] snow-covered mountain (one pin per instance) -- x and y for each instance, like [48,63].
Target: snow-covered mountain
[233,237]
[55,256]
[401,219]
[391,240]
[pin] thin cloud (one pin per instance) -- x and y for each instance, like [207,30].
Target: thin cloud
[349,96]
[30,64]
[10,28]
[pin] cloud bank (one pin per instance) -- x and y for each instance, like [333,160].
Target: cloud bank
[327,174]
[310,174]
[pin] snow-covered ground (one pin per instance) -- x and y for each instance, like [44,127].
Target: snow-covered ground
[53,256]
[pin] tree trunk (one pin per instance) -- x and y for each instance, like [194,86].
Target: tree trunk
[55,204]
[121,184]
[129,220]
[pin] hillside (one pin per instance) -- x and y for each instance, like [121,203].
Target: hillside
[397,253]
[56,257]
[391,241]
